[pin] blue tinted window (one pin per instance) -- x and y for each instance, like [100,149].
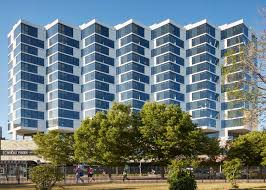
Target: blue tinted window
[168,28]
[26,29]
[95,47]
[64,95]
[25,67]
[64,58]
[60,48]
[27,104]
[205,122]
[27,49]
[68,114]
[232,105]
[29,40]
[100,58]
[28,123]
[135,58]
[170,76]
[59,85]
[30,59]
[64,76]
[205,94]
[94,66]
[64,40]
[205,113]
[135,104]
[99,39]
[30,77]
[165,67]
[29,95]
[165,85]
[200,49]
[241,28]
[32,114]
[165,48]
[201,67]
[204,76]
[100,104]
[99,95]
[201,104]
[204,28]
[130,66]
[99,76]
[203,39]
[205,57]
[136,39]
[59,66]
[130,85]
[131,28]
[95,28]
[130,48]
[200,86]
[169,38]
[135,95]
[169,57]
[237,40]
[60,28]
[61,123]
[135,76]
[61,104]
[169,94]
[232,123]
[95,85]
[26,86]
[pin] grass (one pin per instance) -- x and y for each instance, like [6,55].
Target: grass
[139,186]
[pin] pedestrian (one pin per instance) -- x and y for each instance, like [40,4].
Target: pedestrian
[125,175]
[79,174]
[90,174]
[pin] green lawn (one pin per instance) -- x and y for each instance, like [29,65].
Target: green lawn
[144,186]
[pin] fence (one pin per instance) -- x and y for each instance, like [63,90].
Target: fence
[19,173]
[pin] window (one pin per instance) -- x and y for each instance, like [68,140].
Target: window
[204,28]
[131,28]
[168,28]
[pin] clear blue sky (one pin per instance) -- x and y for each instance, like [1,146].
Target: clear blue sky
[113,12]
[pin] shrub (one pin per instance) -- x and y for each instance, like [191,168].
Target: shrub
[45,176]
[232,171]
[181,178]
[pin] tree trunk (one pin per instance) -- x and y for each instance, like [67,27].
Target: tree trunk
[162,172]
[110,173]
[248,174]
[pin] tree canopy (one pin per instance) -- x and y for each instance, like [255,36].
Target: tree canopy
[55,147]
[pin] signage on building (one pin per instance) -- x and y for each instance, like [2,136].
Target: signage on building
[16,152]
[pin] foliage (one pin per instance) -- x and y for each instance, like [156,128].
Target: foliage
[249,148]
[111,138]
[180,178]
[45,176]
[168,132]
[232,170]
[55,147]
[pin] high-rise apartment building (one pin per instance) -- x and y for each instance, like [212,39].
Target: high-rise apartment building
[60,74]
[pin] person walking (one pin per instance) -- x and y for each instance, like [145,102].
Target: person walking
[125,175]
[90,174]
[79,174]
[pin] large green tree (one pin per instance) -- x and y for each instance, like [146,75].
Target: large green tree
[55,147]
[249,148]
[109,139]
[168,133]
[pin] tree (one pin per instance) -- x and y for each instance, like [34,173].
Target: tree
[232,171]
[249,148]
[55,147]
[180,177]
[45,176]
[167,133]
[112,138]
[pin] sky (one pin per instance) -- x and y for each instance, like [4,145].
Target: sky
[113,12]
